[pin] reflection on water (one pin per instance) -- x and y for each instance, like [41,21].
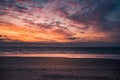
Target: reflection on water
[110,56]
[69,52]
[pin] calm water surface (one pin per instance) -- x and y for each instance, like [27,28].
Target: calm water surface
[70,52]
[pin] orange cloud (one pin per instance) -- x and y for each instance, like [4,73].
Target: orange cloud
[34,34]
[27,34]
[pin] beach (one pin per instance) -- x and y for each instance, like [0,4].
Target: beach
[54,68]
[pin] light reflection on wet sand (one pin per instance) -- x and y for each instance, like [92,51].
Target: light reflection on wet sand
[107,56]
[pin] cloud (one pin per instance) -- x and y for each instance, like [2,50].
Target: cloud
[62,20]
[73,38]
[26,34]
[112,20]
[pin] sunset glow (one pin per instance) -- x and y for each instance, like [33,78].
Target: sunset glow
[26,34]
[58,21]
[64,55]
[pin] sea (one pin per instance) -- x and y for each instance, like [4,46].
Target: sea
[68,52]
[59,63]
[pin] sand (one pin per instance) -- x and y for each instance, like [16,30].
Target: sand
[35,68]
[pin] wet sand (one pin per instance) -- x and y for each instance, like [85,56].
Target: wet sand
[44,68]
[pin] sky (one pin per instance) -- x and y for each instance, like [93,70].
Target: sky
[60,21]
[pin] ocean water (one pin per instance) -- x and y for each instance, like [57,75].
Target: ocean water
[37,63]
[70,52]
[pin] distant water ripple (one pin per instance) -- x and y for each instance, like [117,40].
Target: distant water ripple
[69,52]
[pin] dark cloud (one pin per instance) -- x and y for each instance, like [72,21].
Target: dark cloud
[73,38]
[21,8]
[4,38]
[56,23]
[112,20]
[2,13]
[43,26]
[93,12]
[7,1]
[89,11]
[103,14]
[12,4]
[63,32]
[83,11]
[29,21]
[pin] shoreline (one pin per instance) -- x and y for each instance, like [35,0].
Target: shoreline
[79,56]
